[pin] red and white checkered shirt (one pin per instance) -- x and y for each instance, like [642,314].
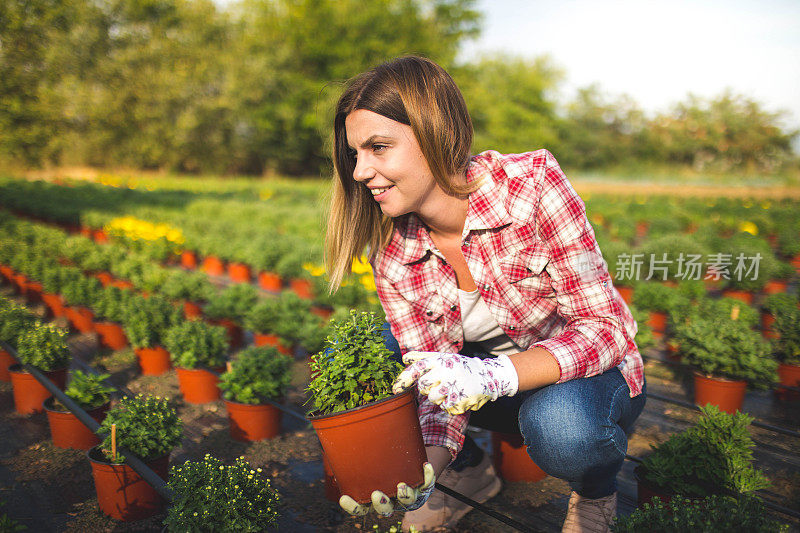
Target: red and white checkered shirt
[534,257]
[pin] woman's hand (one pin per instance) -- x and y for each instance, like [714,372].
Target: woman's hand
[456,382]
[408,498]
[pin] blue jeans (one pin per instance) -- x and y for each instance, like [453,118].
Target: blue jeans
[575,431]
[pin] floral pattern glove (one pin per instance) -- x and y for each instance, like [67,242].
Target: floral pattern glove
[458,383]
[408,498]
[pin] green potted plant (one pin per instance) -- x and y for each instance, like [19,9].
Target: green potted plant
[356,416]
[14,319]
[145,322]
[199,351]
[658,300]
[705,515]
[785,314]
[78,295]
[147,427]
[290,267]
[93,396]
[109,308]
[191,288]
[211,496]
[229,307]
[53,281]
[265,255]
[43,346]
[727,355]
[713,456]
[257,374]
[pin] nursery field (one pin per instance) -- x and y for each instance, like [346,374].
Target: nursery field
[710,273]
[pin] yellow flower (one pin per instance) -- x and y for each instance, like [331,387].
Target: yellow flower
[765,204]
[748,227]
[368,282]
[265,194]
[314,270]
[361,266]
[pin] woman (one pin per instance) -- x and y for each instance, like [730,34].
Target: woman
[495,289]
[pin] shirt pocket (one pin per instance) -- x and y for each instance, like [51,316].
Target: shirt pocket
[525,271]
[422,296]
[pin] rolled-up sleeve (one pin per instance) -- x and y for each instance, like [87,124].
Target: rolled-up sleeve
[594,338]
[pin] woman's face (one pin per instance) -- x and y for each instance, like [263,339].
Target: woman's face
[389,162]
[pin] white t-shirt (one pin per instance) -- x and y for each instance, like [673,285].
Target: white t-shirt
[480,326]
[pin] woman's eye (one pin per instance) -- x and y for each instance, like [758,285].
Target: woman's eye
[378,147]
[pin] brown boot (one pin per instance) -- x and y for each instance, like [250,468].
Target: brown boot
[478,483]
[585,515]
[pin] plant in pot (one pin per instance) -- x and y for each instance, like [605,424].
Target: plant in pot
[744,280]
[79,294]
[109,308]
[290,267]
[356,416]
[199,351]
[145,321]
[710,514]
[229,307]
[264,255]
[147,427]
[93,396]
[14,319]
[264,319]
[785,314]
[191,288]
[43,346]
[727,355]
[211,496]
[713,456]
[257,374]
[53,281]
[658,301]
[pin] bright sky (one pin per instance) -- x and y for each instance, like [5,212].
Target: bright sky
[657,51]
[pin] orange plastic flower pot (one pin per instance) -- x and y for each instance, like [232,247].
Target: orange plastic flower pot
[511,459]
[153,361]
[626,293]
[55,303]
[269,281]
[235,333]
[69,432]
[122,284]
[6,360]
[265,339]
[29,394]
[775,286]
[122,494]
[374,447]
[100,236]
[35,290]
[302,288]
[647,490]
[332,492]
[213,265]
[111,335]
[105,278]
[192,310]
[199,385]
[239,272]
[742,296]
[80,318]
[323,312]
[250,422]
[789,377]
[726,394]
[189,259]
[767,320]
[658,323]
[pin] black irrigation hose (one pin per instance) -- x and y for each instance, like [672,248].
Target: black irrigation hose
[486,510]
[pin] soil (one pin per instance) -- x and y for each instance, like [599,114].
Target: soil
[49,489]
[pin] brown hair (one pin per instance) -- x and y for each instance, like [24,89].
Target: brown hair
[416,92]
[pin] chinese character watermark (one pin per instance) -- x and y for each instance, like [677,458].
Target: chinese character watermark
[687,266]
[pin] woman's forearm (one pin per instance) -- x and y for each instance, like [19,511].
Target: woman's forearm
[439,457]
[535,368]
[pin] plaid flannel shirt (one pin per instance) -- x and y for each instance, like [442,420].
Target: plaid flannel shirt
[534,258]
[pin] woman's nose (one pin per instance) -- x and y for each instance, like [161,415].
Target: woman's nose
[363,171]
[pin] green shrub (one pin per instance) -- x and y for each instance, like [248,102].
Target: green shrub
[82,291]
[147,426]
[707,515]
[54,280]
[644,335]
[675,250]
[14,320]
[191,286]
[195,344]
[87,390]
[112,303]
[655,296]
[783,308]
[44,346]
[356,367]
[713,456]
[257,374]
[210,496]
[147,319]
[233,303]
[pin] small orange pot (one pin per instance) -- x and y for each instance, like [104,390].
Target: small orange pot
[123,494]
[122,284]
[264,339]
[302,288]
[250,422]
[35,291]
[332,492]
[626,293]
[767,320]
[658,323]
[153,361]
[111,335]
[81,318]
[235,333]
[511,459]
[726,394]
[324,313]
[789,377]
[69,432]
[199,385]
[6,360]
[743,296]
[29,394]
[239,272]
[100,236]
[775,286]
[192,310]
[375,446]
[55,303]
[188,259]
[86,231]
[105,278]
[269,281]
[213,265]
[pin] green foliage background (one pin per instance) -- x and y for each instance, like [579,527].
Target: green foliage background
[248,87]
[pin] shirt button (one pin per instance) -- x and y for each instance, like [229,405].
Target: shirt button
[453,307]
[429,313]
[486,287]
[511,328]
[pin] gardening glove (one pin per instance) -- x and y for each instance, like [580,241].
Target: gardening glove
[408,498]
[456,382]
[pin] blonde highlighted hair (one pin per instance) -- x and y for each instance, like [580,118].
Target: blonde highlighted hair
[416,92]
